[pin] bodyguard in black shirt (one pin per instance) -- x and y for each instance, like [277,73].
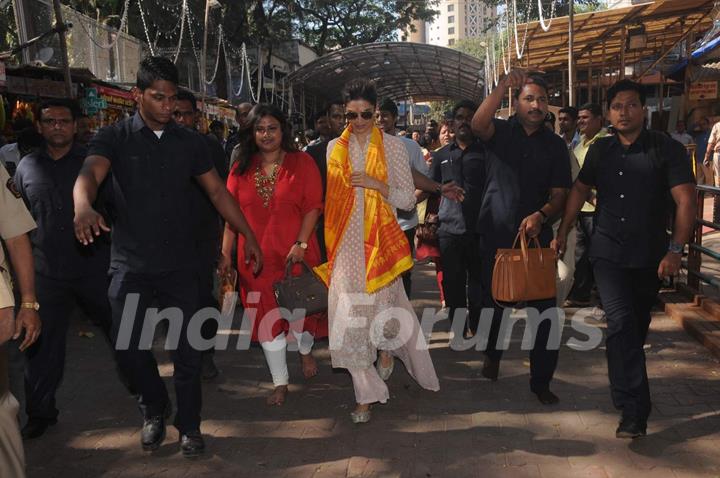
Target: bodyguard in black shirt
[638,175]
[155,164]
[66,273]
[208,226]
[456,236]
[539,167]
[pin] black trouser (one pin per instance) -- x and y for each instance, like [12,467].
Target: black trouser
[320,233]
[543,361]
[627,296]
[178,289]
[46,358]
[407,276]
[583,281]
[461,276]
[208,255]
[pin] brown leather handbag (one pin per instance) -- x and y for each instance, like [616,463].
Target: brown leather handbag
[524,274]
[428,231]
[305,291]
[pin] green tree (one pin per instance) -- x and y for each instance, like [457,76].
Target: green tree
[328,25]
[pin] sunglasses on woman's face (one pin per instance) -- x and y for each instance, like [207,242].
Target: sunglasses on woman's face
[352,115]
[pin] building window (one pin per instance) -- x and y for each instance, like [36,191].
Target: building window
[451,42]
[451,31]
[451,19]
[451,8]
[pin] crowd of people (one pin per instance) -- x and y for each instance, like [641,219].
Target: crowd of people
[149,210]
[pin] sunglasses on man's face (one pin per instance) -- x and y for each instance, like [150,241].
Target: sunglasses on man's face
[352,115]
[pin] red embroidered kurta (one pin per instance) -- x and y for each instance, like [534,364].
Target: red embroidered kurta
[298,190]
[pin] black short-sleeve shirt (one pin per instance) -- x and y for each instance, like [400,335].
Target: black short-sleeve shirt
[447,166]
[633,196]
[540,162]
[152,193]
[46,186]
[207,219]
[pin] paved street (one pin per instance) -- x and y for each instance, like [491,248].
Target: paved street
[472,427]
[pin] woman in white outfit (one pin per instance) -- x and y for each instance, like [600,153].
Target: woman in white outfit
[368,178]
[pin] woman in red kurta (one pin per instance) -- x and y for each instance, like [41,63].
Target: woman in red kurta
[280,193]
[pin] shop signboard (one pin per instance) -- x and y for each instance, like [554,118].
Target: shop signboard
[704,90]
[115,96]
[37,87]
[92,103]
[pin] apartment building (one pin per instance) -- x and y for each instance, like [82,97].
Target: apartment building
[458,19]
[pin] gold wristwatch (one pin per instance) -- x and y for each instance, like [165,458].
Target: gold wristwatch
[30,305]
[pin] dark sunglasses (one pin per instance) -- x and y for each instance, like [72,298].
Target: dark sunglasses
[352,115]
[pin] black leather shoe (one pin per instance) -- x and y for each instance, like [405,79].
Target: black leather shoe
[153,433]
[35,427]
[490,369]
[192,444]
[209,370]
[631,428]
[546,397]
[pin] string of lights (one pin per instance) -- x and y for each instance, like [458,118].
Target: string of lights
[151,46]
[520,51]
[544,26]
[183,20]
[217,59]
[108,46]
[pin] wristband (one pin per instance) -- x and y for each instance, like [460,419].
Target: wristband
[545,217]
[676,248]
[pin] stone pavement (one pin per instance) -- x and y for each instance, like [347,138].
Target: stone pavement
[471,427]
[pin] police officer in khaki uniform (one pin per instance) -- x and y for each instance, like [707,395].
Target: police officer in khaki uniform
[15,223]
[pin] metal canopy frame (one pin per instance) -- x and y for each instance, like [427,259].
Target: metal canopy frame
[401,70]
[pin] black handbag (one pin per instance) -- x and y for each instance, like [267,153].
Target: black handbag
[305,291]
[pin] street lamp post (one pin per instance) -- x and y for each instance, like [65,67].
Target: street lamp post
[203,63]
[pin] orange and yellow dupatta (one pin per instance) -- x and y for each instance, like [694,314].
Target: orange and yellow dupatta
[387,252]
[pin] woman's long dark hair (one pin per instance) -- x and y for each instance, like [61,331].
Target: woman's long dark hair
[248,148]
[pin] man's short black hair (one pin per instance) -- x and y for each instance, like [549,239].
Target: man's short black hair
[60,103]
[389,105]
[29,138]
[215,124]
[323,113]
[469,104]
[154,68]
[550,117]
[185,95]
[532,80]
[594,109]
[360,89]
[570,111]
[625,85]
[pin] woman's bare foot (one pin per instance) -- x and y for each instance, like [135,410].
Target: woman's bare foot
[386,359]
[277,398]
[309,366]
[362,407]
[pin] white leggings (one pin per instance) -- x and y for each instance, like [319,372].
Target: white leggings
[275,355]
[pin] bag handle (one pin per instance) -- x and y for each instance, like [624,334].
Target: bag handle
[524,246]
[289,266]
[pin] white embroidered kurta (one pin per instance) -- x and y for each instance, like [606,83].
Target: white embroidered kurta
[356,328]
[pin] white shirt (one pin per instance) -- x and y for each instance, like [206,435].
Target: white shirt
[684,138]
[409,219]
[10,153]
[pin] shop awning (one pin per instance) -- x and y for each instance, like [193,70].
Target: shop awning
[598,37]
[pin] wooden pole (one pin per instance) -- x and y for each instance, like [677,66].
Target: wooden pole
[623,45]
[63,47]
[571,60]
[688,74]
